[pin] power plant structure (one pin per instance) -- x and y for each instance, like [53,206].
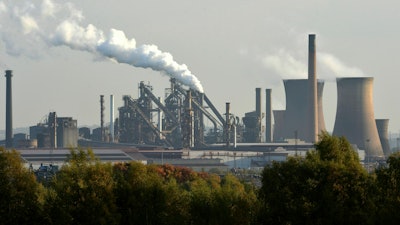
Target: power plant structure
[268,116]
[177,120]
[9,119]
[313,124]
[355,118]
[293,123]
[55,132]
[182,124]
[383,131]
[253,122]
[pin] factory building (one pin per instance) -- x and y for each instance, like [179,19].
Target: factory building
[179,123]
[67,132]
[56,132]
[252,122]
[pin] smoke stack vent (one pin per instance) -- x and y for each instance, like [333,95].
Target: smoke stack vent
[9,126]
[227,125]
[102,116]
[268,116]
[258,114]
[312,79]
[111,118]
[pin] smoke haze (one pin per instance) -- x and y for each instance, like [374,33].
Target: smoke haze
[285,64]
[329,67]
[27,28]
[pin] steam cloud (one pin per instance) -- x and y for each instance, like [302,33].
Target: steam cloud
[285,65]
[41,22]
[329,67]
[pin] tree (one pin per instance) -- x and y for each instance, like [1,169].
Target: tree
[82,192]
[328,186]
[145,197]
[21,195]
[234,204]
[388,191]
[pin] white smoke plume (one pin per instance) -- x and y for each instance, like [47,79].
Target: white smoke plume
[65,29]
[285,64]
[337,67]
[288,66]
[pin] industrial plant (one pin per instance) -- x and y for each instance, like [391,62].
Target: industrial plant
[174,125]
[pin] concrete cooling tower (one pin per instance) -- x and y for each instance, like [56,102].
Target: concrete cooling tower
[297,114]
[355,118]
[279,121]
[383,131]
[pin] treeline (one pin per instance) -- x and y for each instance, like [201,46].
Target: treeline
[328,186]
[86,191]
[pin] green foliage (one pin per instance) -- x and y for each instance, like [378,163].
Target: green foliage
[329,186]
[21,195]
[337,150]
[388,190]
[82,192]
[141,195]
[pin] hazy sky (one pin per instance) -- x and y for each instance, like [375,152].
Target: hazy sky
[232,47]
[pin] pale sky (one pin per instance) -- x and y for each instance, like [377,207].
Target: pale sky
[231,46]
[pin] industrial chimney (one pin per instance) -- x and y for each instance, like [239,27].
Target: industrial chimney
[102,117]
[9,126]
[355,118]
[111,118]
[258,114]
[382,125]
[227,124]
[268,116]
[312,80]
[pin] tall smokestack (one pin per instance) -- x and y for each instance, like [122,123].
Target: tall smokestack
[258,113]
[9,127]
[268,116]
[102,116]
[111,118]
[312,81]
[227,125]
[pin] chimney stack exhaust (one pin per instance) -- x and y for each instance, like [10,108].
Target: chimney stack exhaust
[312,80]
[102,117]
[9,120]
[268,116]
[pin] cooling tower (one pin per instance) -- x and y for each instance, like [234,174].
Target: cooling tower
[313,96]
[355,118]
[9,127]
[382,125]
[268,116]
[279,121]
[297,116]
